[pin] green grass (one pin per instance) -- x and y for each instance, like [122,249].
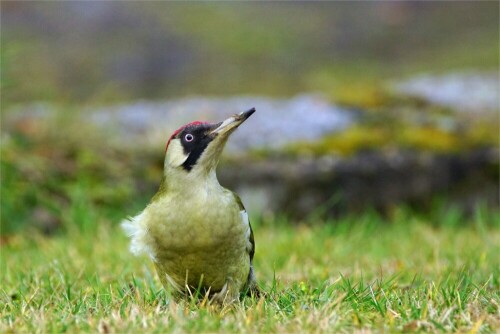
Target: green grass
[402,273]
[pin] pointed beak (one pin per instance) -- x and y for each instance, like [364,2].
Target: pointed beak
[232,122]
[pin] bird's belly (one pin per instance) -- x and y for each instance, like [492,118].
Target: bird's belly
[205,269]
[201,247]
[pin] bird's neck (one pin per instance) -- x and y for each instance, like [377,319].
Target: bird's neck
[183,184]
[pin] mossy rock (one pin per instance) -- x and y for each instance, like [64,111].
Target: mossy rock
[421,138]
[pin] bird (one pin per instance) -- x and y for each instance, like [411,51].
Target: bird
[197,232]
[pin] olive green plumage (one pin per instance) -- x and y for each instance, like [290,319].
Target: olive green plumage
[196,232]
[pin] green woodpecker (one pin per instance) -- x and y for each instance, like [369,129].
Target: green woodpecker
[197,232]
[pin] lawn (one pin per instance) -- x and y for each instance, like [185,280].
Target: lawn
[406,272]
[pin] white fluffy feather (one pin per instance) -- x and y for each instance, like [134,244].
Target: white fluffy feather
[136,229]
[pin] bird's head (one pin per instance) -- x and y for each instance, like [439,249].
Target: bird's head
[195,148]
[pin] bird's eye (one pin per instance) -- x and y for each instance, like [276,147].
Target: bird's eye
[189,137]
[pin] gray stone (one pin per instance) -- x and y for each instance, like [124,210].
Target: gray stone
[368,180]
[465,91]
[276,123]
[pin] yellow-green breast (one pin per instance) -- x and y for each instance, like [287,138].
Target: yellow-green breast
[201,233]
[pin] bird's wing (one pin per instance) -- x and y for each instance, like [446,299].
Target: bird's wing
[246,221]
[251,285]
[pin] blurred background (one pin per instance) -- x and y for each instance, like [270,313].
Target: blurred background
[360,105]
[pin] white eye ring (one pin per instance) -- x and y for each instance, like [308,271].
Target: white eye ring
[189,137]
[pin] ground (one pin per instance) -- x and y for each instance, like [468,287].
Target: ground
[399,273]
